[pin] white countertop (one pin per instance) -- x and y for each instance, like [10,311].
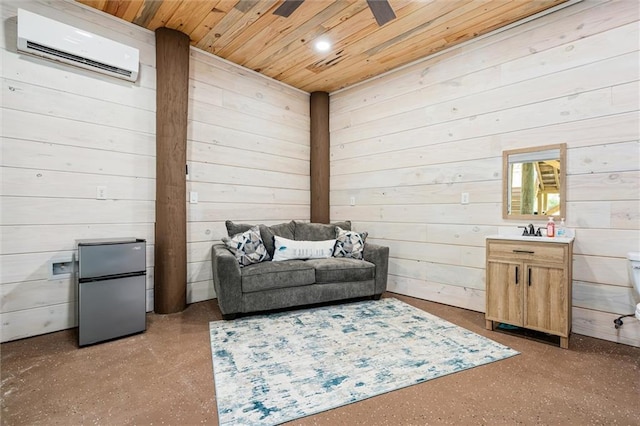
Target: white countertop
[558,240]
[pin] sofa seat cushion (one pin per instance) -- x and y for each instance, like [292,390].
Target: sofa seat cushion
[342,269]
[272,275]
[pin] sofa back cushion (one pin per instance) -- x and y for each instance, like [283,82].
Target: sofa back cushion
[285,230]
[236,228]
[318,231]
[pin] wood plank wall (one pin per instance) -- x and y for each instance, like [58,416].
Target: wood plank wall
[408,144]
[66,131]
[248,155]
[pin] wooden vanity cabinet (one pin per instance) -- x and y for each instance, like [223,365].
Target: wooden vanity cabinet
[528,284]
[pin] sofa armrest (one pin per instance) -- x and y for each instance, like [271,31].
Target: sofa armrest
[226,279]
[379,256]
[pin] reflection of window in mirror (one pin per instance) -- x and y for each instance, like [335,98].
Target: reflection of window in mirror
[533,182]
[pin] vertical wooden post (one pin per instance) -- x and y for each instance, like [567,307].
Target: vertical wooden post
[172,86]
[528,194]
[319,112]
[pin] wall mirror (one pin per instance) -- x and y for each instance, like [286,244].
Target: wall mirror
[533,183]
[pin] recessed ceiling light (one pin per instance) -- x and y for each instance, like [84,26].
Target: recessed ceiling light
[322,46]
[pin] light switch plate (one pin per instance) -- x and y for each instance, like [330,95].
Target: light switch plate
[464,199]
[193,197]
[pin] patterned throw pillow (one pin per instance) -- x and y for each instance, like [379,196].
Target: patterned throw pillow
[248,247]
[349,243]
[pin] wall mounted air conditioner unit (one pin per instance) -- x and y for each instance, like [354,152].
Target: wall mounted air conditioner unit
[45,37]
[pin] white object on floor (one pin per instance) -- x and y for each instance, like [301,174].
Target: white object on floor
[634,273]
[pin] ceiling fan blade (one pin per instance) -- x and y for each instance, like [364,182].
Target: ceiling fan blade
[287,8]
[381,10]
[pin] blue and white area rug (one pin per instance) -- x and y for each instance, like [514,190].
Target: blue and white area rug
[274,368]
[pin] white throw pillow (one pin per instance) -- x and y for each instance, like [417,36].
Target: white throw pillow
[290,249]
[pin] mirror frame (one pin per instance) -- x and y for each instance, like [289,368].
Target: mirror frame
[505,182]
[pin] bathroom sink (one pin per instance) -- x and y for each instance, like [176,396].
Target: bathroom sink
[559,240]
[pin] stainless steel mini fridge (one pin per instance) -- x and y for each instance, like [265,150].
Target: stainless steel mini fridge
[111,289]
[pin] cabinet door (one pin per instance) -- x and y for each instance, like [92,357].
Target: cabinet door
[505,292]
[546,303]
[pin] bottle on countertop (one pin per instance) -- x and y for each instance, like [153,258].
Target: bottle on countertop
[561,229]
[551,228]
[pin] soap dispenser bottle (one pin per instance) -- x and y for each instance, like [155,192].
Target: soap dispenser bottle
[560,232]
[551,227]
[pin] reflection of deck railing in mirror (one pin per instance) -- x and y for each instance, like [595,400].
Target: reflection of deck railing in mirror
[548,176]
[533,182]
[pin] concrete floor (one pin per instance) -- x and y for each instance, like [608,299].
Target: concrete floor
[164,376]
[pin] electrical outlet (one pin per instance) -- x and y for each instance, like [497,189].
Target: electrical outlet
[62,267]
[464,199]
[101,192]
[193,197]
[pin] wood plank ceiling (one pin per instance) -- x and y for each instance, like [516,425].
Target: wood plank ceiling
[247,32]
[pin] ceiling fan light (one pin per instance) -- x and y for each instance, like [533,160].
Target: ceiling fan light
[322,46]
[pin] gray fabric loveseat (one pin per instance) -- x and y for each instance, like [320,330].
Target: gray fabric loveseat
[270,284]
